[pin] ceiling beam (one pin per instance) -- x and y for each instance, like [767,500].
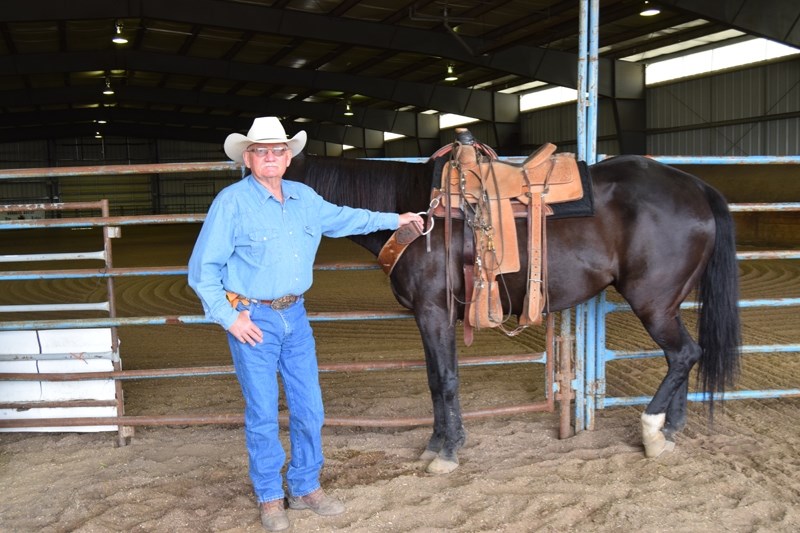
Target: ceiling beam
[399,122]
[529,62]
[358,129]
[467,102]
[778,20]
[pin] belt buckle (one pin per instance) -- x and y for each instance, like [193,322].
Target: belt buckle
[283,302]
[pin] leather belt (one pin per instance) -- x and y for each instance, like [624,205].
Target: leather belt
[277,304]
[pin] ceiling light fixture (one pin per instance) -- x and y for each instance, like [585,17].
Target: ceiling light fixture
[451,74]
[108,90]
[118,37]
[348,111]
[648,10]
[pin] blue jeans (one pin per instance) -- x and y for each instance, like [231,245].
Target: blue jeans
[288,348]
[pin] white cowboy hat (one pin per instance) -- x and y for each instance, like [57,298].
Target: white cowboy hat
[264,130]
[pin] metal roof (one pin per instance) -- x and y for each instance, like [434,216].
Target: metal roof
[200,69]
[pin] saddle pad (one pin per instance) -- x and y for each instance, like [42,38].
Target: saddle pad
[583,207]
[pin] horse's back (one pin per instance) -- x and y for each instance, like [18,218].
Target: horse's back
[649,180]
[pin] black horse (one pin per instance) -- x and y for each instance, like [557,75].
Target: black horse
[657,235]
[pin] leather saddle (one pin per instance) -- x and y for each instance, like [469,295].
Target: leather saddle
[494,194]
[490,195]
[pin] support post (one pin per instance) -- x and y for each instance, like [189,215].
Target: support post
[586,315]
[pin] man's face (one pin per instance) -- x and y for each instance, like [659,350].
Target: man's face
[264,163]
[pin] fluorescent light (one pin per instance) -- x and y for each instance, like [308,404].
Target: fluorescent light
[649,11]
[547,97]
[118,37]
[723,57]
[450,120]
[108,90]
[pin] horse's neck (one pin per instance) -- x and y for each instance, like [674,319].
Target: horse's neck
[373,242]
[319,171]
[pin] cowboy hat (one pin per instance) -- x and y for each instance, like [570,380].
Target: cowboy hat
[264,130]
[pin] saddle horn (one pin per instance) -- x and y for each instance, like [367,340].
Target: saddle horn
[464,136]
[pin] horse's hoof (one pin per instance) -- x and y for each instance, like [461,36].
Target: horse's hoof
[441,466]
[655,443]
[428,455]
[656,447]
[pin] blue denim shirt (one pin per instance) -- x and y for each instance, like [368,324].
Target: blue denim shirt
[255,246]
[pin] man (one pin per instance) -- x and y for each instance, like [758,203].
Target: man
[250,266]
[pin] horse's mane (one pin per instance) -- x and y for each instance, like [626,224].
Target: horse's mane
[377,185]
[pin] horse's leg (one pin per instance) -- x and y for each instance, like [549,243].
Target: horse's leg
[666,412]
[438,338]
[676,412]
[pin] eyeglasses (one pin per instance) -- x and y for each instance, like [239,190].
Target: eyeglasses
[262,151]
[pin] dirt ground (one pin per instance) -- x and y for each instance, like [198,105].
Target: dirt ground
[741,475]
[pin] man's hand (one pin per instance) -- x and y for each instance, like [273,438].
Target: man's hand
[244,330]
[412,218]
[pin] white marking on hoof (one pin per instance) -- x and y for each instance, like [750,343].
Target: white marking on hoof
[655,443]
[441,466]
[428,455]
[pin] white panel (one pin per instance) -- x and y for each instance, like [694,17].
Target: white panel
[19,391]
[19,343]
[75,365]
[94,389]
[59,412]
[75,340]
[27,365]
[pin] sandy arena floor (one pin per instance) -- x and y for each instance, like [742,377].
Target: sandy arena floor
[742,475]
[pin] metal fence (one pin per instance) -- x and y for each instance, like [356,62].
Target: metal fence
[110,227]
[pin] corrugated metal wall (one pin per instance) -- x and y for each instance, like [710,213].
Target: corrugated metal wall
[754,111]
[558,125]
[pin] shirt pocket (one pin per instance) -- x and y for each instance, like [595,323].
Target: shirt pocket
[310,237]
[260,247]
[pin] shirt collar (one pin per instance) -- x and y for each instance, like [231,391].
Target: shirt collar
[263,194]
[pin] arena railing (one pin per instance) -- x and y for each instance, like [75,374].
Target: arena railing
[111,225]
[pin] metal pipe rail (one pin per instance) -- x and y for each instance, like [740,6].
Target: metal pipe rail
[113,321]
[238,419]
[224,370]
[78,273]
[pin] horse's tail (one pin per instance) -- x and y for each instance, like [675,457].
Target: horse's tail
[719,333]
